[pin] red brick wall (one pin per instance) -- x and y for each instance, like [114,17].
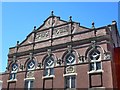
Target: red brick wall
[117,65]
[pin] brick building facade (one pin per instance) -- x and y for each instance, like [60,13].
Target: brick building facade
[64,54]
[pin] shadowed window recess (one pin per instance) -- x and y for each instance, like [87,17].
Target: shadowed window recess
[95,61]
[49,66]
[14,70]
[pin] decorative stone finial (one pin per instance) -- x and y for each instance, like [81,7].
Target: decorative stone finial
[17,43]
[14,58]
[34,27]
[93,44]
[113,22]
[6,69]
[52,13]
[16,49]
[69,48]
[31,56]
[93,25]
[49,52]
[70,19]
[21,66]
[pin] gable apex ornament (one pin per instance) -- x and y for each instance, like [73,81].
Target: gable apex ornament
[52,13]
[14,59]
[49,52]
[31,56]
[34,28]
[93,25]
[70,19]
[93,44]
[69,48]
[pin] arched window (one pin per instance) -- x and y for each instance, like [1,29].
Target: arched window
[95,59]
[70,70]
[49,66]
[14,69]
[30,75]
[95,55]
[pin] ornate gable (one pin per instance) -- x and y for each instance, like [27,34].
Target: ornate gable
[53,27]
[51,21]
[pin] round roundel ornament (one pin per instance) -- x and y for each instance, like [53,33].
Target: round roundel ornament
[49,62]
[94,54]
[31,64]
[14,67]
[70,58]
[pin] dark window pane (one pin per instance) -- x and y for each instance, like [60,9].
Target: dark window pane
[72,81]
[91,66]
[28,84]
[12,76]
[67,82]
[31,85]
[45,72]
[51,71]
[98,65]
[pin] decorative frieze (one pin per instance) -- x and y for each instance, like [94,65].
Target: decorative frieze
[60,31]
[42,35]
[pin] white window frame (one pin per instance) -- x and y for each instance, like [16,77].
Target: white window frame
[95,64]
[49,68]
[1,84]
[70,81]
[13,73]
[28,82]
[69,64]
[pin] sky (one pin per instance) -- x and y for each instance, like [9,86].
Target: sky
[19,18]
